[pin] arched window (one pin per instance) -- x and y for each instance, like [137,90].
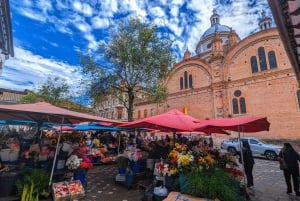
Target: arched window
[238,103]
[139,114]
[185,79]
[243,105]
[145,113]
[262,59]
[190,81]
[298,97]
[254,66]
[235,106]
[272,59]
[181,82]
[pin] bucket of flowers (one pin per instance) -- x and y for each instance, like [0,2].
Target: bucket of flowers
[80,166]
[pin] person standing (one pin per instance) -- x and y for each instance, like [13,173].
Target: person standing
[248,163]
[210,142]
[289,158]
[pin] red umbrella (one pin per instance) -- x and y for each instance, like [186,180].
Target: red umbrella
[240,124]
[171,121]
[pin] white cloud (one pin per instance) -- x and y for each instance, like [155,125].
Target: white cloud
[100,23]
[33,70]
[83,8]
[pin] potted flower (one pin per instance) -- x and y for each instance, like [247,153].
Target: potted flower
[80,167]
[122,163]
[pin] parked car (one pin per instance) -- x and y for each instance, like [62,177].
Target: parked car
[258,147]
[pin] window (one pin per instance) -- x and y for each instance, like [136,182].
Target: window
[119,112]
[139,114]
[262,59]
[152,111]
[237,93]
[243,105]
[190,81]
[298,97]
[272,60]
[185,79]
[252,141]
[235,106]
[238,103]
[181,83]
[145,113]
[254,66]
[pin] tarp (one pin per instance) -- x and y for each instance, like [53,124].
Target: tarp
[171,121]
[239,124]
[86,127]
[45,112]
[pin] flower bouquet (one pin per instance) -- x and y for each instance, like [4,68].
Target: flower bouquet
[79,165]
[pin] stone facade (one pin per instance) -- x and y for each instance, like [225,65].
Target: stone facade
[252,77]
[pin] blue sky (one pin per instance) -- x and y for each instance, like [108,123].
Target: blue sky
[48,34]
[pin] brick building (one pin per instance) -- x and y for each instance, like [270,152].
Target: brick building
[228,76]
[8,96]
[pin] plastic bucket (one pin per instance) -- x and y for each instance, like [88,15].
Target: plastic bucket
[150,164]
[60,164]
[136,168]
[5,153]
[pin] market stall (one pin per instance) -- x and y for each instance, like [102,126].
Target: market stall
[44,112]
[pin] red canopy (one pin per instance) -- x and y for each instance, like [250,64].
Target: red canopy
[46,112]
[171,121]
[242,124]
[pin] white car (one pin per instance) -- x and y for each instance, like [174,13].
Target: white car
[258,147]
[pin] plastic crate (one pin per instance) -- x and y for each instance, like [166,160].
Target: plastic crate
[76,189]
[60,191]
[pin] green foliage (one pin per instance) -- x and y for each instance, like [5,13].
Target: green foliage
[122,161]
[31,97]
[214,184]
[54,90]
[31,183]
[138,61]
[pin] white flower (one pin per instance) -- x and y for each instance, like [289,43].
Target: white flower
[73,162]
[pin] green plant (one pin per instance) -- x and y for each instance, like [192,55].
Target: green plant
[32,183]
[122,161]
[213,184]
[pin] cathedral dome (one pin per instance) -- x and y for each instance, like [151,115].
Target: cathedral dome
[215,28]
[204,45]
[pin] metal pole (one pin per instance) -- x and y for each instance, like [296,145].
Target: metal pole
[56,151]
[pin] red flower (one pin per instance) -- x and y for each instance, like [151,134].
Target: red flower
[86,165]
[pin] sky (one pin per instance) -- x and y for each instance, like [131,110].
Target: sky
[48,34]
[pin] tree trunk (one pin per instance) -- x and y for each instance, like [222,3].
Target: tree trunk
[130,105]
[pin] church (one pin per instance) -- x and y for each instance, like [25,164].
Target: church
[227,77]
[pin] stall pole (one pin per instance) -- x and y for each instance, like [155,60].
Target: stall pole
[56,150]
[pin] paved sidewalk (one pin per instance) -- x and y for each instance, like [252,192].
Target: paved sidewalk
[269,184]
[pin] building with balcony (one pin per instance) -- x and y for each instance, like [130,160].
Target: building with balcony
[6,38]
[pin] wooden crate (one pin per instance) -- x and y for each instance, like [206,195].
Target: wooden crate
[76,190]
[60,191]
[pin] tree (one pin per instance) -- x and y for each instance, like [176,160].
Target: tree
[54,90]
[31,97]
[138,59]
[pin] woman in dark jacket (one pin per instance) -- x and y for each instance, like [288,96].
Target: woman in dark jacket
[289,158]
[248,163]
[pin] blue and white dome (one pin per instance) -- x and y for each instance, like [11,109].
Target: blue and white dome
[216,28]
[223,31]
